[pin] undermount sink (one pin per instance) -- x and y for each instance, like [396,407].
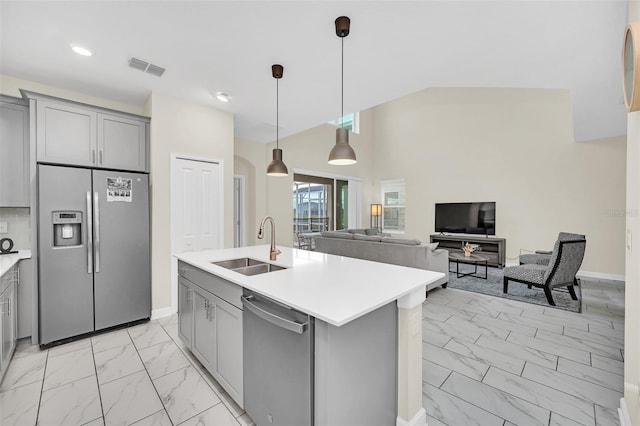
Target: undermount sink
[248,266]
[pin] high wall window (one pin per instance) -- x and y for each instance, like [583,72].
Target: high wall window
[393,205]
[351,122]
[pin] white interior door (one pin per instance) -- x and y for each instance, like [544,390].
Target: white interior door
[197,206]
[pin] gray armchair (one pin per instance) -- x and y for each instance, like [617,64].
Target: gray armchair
[543,258]
[564,262]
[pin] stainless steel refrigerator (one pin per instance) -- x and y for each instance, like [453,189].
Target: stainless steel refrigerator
[93,250]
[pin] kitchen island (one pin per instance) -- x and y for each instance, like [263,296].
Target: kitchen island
[343,296]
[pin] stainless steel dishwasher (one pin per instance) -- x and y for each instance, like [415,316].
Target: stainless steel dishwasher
[278,362]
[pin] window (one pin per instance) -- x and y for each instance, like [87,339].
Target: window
[351,122]
[393,205]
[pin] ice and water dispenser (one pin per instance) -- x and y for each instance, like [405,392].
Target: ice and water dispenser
[67,228]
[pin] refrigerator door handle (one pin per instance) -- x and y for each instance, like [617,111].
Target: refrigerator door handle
[96,229]
[89,231]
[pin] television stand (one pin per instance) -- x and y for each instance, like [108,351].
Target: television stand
[492,248]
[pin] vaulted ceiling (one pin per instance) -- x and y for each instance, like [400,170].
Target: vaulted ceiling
[395,48]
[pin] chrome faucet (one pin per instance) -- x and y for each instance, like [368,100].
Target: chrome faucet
[273,251]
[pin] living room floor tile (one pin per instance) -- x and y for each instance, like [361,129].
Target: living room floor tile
[572,385]
[579,343]
[461,333]
[520,352]
[499,323]
[486,356]
[610,339]
[550,347]
[538,323]
[607,364]
[486,330]
[453,361]
[544,396]
[452,410]
[503,404]
[590,374]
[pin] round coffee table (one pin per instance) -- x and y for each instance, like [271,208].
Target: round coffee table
[472,259]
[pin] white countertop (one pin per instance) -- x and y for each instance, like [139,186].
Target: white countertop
[332,288]
[8,260]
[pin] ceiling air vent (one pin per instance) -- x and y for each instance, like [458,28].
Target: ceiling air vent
[145,66]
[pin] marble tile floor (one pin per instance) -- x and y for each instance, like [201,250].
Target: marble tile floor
[137,376]
[493,361]
[486,361]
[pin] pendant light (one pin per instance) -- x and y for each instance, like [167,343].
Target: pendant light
[342,154]
[277,166]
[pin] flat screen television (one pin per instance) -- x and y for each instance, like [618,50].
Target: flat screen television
[466,218]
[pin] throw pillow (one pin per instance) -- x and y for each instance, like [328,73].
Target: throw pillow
[342,235]
[405,241]
[358,231]
[361,237]
[433,246]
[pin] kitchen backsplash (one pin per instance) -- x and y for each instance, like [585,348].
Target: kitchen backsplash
[19,226]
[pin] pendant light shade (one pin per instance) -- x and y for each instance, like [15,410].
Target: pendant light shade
[342,154]
[277,166]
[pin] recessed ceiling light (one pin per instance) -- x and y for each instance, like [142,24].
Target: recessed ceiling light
[80,50]
[222,97]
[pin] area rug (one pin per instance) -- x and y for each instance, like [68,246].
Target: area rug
[517,291]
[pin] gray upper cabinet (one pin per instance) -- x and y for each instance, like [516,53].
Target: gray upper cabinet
[82,135]
[14,155]
[121,143]
[66,134]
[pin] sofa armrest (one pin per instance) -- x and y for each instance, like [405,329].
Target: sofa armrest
[438,260]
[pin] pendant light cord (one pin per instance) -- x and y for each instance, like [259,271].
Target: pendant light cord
[277,114]
[342,87]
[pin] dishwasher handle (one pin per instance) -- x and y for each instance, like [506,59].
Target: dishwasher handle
[249,303]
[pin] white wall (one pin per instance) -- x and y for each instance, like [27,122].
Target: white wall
[511,146]
[249,161]
[19,226]
[11,86]
[179,126]
[632,278]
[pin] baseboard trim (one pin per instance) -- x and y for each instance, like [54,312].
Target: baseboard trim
[600,276]
[420,419]
[162,312]
[623,413]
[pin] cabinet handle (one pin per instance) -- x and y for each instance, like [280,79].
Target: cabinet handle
[93,156]
[100,155]
[206,308]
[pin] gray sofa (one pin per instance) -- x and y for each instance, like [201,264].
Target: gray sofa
[368,244]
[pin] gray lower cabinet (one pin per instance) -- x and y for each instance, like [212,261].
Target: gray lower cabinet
[210,325]
[14,154]
[8,317]
[204,342]
[185,311]
[77,134]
